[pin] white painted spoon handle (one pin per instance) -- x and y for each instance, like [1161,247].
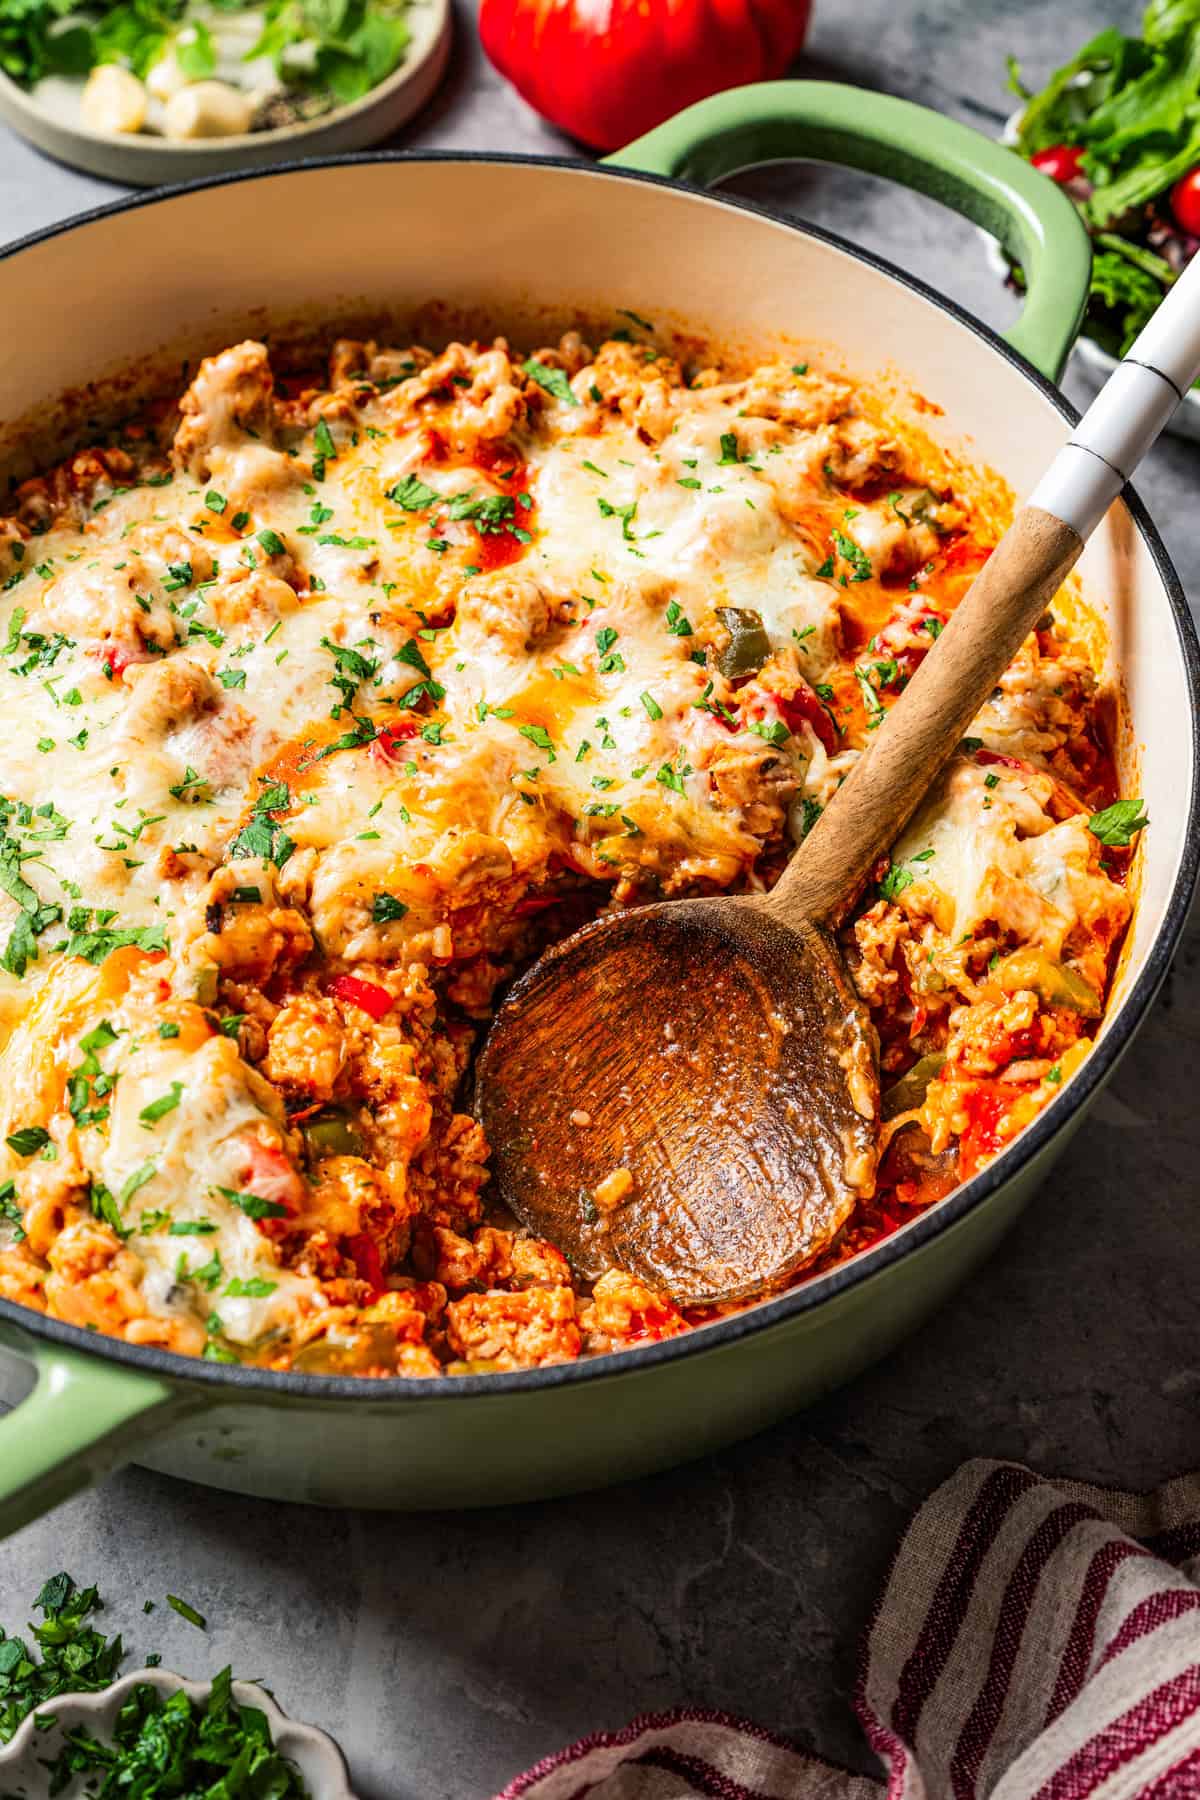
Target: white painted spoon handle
[1014,587]
[1128,413]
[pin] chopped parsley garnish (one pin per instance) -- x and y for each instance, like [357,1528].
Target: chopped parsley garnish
[854,554]
[537,734]
[75,1657]
[323,439]
[180,576]
[410,655]
[187,1612]
[899,877]
[253,1205]
[253,1289]
[895,881]
[489,514]
[554,381]
[811,811]
[271,542]
[262,835]
[232,678]
[11,1212]
[653,709]
[677,624]
[669,776]
[611,661]
[29,1140]
[386,907]
[132,1183]
[216,503]
[626,514]
[96,942]
[88,1086]
[158,1109]
[773,730]
[1116,824]
[350,668]
[104,1207]
[413,494]
[208,1277]
[194,786]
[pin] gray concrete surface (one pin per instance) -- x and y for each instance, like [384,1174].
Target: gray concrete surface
[446,1653]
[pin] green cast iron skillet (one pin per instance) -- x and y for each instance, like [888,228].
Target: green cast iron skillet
[97,1402]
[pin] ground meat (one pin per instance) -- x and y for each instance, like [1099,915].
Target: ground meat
[514,1331]
[489,406]
[307,1047]
[229,400]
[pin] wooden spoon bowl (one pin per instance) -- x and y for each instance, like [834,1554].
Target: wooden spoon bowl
[689,1092]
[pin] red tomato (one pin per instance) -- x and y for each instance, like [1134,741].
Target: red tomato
[1061,162]
[365,994]
[1185,201]
[607,72]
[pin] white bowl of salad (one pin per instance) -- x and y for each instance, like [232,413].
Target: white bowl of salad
[147,91]
[1118,127]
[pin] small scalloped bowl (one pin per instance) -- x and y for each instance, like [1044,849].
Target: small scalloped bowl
[23,1771]
[144,160]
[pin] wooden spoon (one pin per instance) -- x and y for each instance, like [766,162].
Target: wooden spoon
[689,1091]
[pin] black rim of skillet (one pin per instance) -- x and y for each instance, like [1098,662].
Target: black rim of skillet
[943,1215]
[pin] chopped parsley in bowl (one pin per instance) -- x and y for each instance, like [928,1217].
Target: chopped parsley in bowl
[68,1728]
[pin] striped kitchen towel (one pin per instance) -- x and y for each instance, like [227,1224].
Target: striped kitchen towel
[1036,1640]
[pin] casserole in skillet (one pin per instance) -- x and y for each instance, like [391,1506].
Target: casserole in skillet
[351,690]
[465,239]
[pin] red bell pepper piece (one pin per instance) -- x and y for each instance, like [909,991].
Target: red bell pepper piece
[804,707]
[367,995]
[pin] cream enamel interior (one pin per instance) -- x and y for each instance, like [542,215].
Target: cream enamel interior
[471,243]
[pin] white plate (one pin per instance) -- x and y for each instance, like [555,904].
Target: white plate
[143,160]
[22,1761]
[1088,355]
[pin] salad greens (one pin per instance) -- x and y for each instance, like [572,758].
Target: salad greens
[1130,106]
[336,48]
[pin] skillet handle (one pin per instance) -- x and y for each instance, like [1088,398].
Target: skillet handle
[825,121]
[83,1418]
